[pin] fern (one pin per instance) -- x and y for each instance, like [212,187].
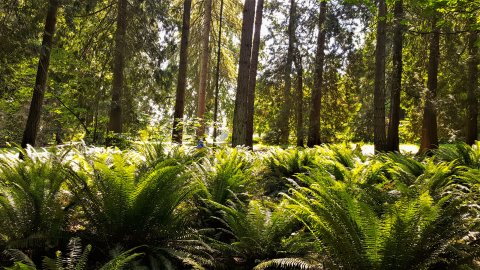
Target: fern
[32,200]
[288,263]
[260,233]
[130,207]
[75,260]
[413,232]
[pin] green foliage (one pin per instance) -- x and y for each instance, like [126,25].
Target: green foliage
[462,154]
[127,207]
[76,259]
[185,209]
[411,230]
[261,234]
[226,172]
[282,166]
[33,201]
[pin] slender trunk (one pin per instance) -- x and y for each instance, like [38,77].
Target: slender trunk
[33,121]
[283,123]
[379,136]
[177,132]
[299,101]
[95,122]
[240,113]
[393,141]
[115,124]
[316,102]
[472,84]
[98,97]
[429,139]
[202,90]
[252,80]
[217,76]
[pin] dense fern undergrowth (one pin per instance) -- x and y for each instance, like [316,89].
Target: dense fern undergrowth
[151,207]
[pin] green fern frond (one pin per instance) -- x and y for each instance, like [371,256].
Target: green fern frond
[19,257]
[122,260]
[288,263]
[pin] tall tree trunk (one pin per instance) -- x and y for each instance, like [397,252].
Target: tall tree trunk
[217,75]
[252,80]
[116,121]
[429,139]
[379,137]
[240,113]
[316,102]
[33,120]
[393,141]
[299,100]
[202,90]
[283,123]
[472,84]
[177,132]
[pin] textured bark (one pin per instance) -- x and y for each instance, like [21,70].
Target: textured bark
[284,118]
[393,141]
[316,102]
[240,113]
[379,138]
[34,114]
[299,101]
[201,105]
[429,139]
[116,122]
[252,80]
[177,132]
[217,73]
[472,84]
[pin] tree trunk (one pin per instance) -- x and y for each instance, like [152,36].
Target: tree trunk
[429,139]
[316,102]
[299,101]
[252,80]
[202,90]
[34,114]
[379,136]
[283,123]
[393,141]
[240,113]
[177,132]
[472,84]
[217,76]
[115,124]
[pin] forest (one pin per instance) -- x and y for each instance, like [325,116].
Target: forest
[239,134]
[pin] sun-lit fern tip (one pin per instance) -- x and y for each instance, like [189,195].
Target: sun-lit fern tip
[289,264]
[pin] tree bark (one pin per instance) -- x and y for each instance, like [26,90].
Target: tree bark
[472,85]
[393,141]
[202,90]
[429,139]
[115,124]
[316,102]
[217,75]
[252,80]
[34,114]
[240,113]
[177,132]
[299,100]
[284,118]
[379,137]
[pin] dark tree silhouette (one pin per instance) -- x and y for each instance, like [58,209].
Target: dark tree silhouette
[35,112]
